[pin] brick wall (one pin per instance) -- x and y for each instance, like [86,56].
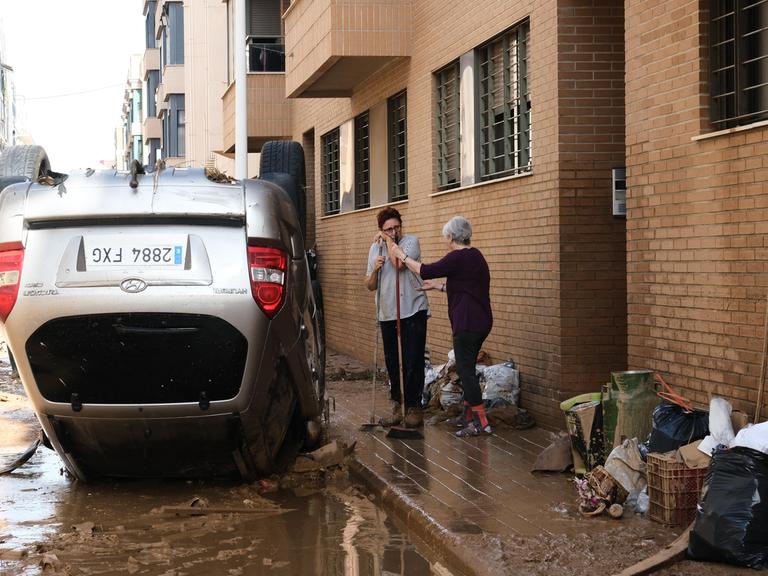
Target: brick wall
[537,235]
[698,213]
[592,241]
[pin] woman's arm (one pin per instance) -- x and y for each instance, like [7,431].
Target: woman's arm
[397,254]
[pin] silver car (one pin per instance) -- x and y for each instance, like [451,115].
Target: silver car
[164,324]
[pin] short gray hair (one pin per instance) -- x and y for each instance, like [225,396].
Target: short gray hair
[458,229]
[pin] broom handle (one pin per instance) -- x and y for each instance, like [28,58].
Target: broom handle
[399,342]
[376,346]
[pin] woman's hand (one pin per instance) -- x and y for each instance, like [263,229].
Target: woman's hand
[431,285]
[378,263]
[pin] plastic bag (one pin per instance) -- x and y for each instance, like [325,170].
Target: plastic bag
[626,465]
[451,395]
[720,427]
[754,436]
[502,381]
[674,427]
[732,518]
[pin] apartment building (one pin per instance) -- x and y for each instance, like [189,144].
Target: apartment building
[509,113]
[7,103]
[129,138]
[697,203]
[527,118]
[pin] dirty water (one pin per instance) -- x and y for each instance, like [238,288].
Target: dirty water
[51,524]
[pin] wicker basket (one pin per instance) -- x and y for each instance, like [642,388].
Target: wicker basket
[673,489]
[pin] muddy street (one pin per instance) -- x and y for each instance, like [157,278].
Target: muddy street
[317,523]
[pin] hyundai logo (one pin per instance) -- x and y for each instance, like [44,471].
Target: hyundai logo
[133,285]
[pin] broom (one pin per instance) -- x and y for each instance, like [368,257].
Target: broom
[403,431]
[372,423]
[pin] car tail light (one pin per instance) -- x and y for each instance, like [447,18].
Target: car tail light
[10,275]
[267,268]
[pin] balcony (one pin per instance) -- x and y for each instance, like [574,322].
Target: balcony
[172,82]
[269,112]
[334,45]
[151,61]
[153,128]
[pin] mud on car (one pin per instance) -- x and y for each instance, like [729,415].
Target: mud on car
[167,323]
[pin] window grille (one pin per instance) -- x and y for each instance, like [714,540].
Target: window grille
[330,169]
[398,139]
[448,123]
[362,162]
[738,37]
[505,105]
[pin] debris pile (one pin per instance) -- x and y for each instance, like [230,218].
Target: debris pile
[500,384]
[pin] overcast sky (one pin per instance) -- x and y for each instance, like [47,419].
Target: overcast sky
[70,62]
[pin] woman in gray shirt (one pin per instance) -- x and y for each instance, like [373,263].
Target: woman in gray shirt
[414,311]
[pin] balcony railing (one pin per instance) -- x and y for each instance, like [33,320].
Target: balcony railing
[265,54]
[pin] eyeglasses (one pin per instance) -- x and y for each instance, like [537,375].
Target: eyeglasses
[392,229]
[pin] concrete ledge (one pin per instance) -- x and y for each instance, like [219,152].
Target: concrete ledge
[445,544]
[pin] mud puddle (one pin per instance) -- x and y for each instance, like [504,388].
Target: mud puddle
[297,524]
[50,524]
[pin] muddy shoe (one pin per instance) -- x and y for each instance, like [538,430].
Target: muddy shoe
[414,417]
[474,430]
[395,418]
[461,420]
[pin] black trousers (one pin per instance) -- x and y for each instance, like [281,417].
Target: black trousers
[466,346]
[413,333]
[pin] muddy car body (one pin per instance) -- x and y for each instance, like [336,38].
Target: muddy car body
[166,329]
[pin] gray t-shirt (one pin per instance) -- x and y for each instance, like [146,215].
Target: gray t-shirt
[411,299]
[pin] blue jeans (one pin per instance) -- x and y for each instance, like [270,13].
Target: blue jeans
[413,333]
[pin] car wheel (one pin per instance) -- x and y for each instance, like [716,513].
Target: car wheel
[27,160]
[280,158]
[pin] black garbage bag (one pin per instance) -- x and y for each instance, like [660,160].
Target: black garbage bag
[673,427]
[732,518]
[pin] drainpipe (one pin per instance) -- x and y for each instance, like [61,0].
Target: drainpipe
[241,94]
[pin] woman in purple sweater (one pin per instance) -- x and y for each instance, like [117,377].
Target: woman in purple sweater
[469,309]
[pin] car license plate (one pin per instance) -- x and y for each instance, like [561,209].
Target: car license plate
[116,252]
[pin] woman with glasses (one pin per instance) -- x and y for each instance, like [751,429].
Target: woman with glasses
[414,311]
[467,283]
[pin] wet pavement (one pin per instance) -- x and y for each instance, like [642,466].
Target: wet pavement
[476,503]
[439,505]
[317,523]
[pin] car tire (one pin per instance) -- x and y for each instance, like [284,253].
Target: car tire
[26,160]
[285,157]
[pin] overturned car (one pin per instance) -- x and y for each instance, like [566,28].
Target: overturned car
[163,324]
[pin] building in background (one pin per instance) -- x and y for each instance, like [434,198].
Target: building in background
[129,138]
[517,116]
[7,100]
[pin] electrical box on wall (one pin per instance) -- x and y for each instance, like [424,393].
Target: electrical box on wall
[619,177]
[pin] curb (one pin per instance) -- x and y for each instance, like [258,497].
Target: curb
[446,545]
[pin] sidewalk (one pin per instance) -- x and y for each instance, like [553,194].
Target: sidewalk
[476,504]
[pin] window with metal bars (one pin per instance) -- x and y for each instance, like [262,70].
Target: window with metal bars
[398,139]
[362,162]
[738,36]
[330,170]
[505,104]
[448,123]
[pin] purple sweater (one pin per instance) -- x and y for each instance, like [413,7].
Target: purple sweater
[468,285]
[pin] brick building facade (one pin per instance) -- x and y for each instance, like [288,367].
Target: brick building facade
[544,220]
[698,203]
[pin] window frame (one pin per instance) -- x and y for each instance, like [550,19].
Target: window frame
[734,96]
[397,139]
[330,171]
[507,151]
[362,153]
[448,125]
